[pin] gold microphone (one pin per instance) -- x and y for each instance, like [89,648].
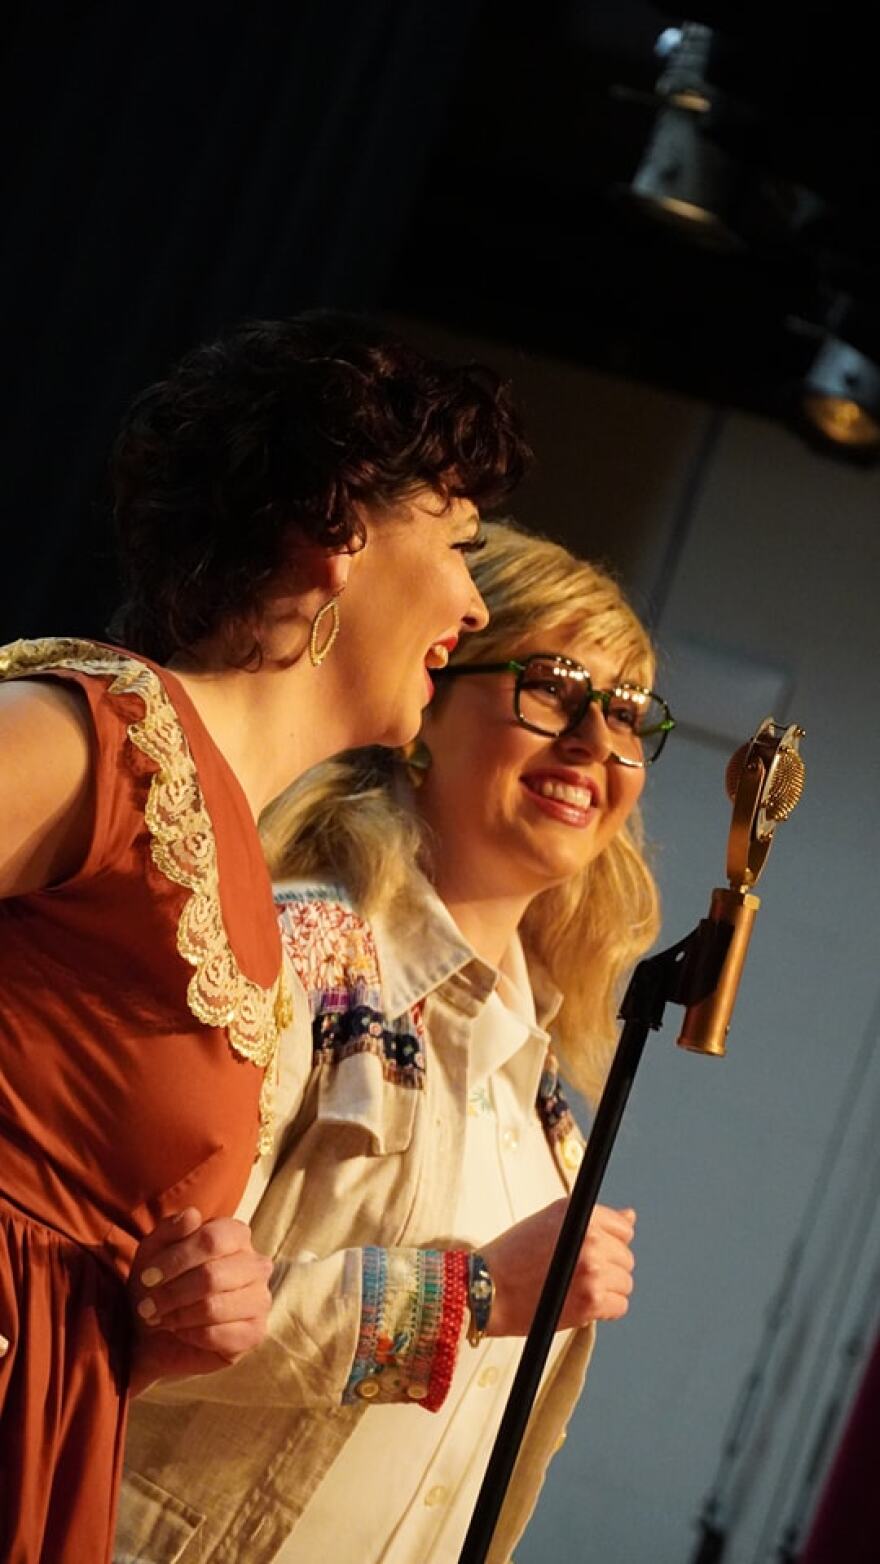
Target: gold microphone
[765,782]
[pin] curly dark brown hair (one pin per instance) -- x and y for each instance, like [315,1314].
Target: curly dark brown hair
[279,429]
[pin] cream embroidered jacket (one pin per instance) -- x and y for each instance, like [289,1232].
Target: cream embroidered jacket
[371,1108]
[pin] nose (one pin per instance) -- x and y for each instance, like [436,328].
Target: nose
[591,736]
[476,616]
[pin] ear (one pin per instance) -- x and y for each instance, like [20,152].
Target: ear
[337,568]
[314,571]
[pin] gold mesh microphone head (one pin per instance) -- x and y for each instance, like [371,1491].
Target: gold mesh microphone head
[785,784]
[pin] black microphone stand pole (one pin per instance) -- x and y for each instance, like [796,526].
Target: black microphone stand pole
[685,974]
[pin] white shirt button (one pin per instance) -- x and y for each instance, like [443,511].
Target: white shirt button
[488,1376]
[572,1152]
[436,1496]
[510,1138]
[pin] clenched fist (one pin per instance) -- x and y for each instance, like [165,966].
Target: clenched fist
[602,1283]
[201,1296]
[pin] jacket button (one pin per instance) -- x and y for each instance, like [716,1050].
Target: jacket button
[368,1389]
[572,1152]
[4,1346]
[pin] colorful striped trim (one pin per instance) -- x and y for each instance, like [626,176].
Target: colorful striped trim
[412,1313]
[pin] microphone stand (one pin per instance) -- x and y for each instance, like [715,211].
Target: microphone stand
[685,974]
[764,781]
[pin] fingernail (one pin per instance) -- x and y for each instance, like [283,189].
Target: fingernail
[147,1309]
[152,1276]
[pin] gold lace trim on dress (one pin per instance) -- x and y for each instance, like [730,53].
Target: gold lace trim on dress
[184,850]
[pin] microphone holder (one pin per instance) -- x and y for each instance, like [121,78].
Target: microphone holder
[685,974]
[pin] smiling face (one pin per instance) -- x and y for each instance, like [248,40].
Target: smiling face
[512,811]
[408,598]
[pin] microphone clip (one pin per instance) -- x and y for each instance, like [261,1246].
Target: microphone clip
[686,974]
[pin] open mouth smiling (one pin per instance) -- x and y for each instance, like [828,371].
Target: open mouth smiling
[570,797]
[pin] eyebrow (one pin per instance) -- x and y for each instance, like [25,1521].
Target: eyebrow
[613,682]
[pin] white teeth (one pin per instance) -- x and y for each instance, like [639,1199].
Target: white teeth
[581,797]
[441,653]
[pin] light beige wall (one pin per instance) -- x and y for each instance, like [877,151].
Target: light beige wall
[609,453]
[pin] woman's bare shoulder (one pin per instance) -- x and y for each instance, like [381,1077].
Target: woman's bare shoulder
[46,783]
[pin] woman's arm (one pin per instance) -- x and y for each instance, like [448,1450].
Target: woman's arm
[391,1319]
[46,784]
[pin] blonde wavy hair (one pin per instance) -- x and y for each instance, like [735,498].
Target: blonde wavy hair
[342,819]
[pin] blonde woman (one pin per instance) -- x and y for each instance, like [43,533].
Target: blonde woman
[460,918]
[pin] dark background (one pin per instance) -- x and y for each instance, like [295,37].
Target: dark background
[171,169]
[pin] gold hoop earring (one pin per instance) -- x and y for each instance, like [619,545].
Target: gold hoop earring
[318,653]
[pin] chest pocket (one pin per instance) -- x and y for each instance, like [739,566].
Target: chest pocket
[371,1073]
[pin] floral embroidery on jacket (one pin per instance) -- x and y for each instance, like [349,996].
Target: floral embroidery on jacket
[334,956]
[559,1124]
[332,950]
[337,1034]
[553,1110]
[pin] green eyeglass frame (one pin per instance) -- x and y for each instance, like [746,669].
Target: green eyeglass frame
[658,731]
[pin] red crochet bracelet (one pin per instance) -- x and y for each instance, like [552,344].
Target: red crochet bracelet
[455,1282]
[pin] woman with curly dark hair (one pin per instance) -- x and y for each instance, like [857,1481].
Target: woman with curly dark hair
[295,504]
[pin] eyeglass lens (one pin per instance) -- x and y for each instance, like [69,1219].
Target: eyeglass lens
[553,697]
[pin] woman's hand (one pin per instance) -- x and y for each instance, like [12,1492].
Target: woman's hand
[201,1296]
[602,1283]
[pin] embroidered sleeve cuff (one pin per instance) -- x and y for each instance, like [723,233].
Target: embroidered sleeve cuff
[413,1304]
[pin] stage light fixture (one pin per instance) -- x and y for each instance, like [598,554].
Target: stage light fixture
[687,181]
[702,170]
[840,398]
[683,178]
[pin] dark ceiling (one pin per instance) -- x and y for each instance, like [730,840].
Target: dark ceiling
[522,231]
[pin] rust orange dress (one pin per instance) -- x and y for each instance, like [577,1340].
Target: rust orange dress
[140,1002]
